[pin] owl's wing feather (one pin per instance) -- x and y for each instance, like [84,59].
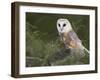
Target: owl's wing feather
[73,36]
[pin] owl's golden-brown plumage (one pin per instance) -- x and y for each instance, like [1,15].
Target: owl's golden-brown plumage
[67,40]
[68,36]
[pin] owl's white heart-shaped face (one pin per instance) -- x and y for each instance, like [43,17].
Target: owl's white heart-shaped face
[63,25]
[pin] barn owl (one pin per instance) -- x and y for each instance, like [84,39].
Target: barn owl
[68,36]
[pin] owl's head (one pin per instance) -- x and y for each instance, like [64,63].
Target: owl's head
[63,25]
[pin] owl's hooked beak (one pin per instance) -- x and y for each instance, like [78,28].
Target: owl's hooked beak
[61,29]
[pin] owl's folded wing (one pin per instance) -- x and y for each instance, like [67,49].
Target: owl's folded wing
[73,36]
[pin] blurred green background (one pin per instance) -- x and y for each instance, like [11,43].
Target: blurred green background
[43,46]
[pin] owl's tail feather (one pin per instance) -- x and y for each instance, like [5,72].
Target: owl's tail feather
[86,50]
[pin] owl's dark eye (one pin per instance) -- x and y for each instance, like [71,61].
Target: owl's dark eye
[64,25]
[59,25]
